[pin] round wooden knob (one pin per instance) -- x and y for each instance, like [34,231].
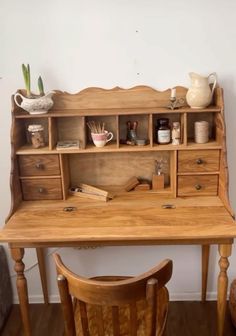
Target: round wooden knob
[39,165]
[198,187]
[199,161]
[40,190]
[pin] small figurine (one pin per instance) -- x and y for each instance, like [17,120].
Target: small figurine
[131,132]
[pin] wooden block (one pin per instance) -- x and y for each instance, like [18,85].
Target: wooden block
[142,186]
[88,191]
[157,182]
[131,183]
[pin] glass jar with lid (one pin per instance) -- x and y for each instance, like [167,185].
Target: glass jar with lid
[36,133]
[163,131]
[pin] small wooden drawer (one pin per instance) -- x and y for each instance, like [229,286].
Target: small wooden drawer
[39,165]
[198,161]
[192,185]
[41,189]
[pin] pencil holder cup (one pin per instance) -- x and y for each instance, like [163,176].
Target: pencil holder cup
[100,139]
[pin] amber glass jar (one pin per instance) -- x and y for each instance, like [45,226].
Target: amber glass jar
[163,131]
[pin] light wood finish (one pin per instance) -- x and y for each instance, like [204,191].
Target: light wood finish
[205,264]
[142,186]
[225,253]
[196,185]
[21,284]
[158,182]
[127,293]
[41,189]
[131,183]
[39,165]
[142,219]
[137,217]
[198,161]
[43,275]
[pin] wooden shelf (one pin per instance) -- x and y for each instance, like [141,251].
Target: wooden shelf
[116,111]
[112,147]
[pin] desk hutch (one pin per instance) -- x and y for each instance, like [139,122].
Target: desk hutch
[196,181]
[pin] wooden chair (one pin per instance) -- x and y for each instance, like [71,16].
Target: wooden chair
[114,305]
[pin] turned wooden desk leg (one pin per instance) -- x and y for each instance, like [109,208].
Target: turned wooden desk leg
[21,284]
[42,271]
[225,252]
[205,264]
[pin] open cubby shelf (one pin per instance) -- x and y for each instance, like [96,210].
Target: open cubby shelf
[117,161]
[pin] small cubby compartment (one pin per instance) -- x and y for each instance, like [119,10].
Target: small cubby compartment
[114,169]
[22,135]
[172,117]
[209,117]
[67,129]
[108,123]
[138,124]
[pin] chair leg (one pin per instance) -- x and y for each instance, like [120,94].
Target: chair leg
[67,307]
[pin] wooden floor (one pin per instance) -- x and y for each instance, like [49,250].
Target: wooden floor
[185,319]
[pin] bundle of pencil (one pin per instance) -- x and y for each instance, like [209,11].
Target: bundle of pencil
[96,127]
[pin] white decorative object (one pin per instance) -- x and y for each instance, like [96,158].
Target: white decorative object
[200,94]
[173,93]
[201,131]
[38,105]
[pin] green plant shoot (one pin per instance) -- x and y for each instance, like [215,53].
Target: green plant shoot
[26,75]
[40,86]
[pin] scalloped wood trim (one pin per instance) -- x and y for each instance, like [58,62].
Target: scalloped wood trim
[99,98]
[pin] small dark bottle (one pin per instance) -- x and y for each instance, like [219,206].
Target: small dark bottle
[163,131]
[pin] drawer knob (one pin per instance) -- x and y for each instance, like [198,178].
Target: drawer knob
[199,161]
[198,187]
[41,190]
[39,165]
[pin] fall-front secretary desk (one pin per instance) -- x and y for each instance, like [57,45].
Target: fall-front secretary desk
[196,181]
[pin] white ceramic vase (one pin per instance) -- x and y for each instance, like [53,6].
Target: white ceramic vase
[200,93]
[38,105]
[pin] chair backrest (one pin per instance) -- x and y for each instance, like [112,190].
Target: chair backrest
[113,292]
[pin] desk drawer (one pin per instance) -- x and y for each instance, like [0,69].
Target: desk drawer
[41,189]
[39,165]
[198,161]
[193,185]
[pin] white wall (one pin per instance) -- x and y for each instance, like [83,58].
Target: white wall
[74,44]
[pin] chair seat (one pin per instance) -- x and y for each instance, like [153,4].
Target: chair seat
[94,316]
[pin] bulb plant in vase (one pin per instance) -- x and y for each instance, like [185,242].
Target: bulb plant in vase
[33,104]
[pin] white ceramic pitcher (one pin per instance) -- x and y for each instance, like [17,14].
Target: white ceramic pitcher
[200,93]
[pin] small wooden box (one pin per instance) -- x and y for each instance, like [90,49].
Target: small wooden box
[158,181]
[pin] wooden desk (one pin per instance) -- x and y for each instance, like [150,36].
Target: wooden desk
[195,179]
[129,219]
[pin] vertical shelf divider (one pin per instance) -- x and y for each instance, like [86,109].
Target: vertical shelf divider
[52,133]
[150,129]
[184,129]
[65,180]
[117,131]
[84,133]
[173,172]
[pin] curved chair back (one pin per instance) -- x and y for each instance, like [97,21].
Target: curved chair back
[140,295]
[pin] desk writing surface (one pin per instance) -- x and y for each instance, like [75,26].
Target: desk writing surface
[128,218]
